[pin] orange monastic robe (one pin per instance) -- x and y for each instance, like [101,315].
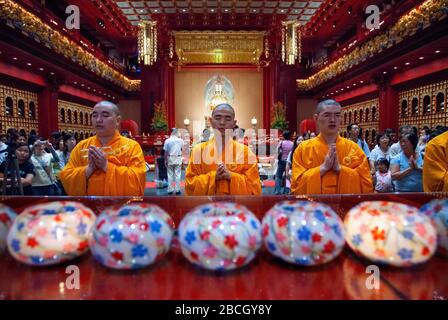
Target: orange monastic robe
[354,176]
[125,175]
[201,171]
[435,167]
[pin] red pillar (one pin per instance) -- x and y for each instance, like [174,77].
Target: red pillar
[48,111]
[151,92]
[268,94]
[388,107]
[168,94]
[287,93]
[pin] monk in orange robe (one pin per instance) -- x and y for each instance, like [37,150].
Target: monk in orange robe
[222,166]
[435,167]
[106,164]
[328,163]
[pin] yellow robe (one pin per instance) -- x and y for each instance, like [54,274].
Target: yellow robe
[240,161]
[354,176]
[125,175]
[435,166]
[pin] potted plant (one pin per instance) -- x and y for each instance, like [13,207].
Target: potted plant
[159,122]
[279,116]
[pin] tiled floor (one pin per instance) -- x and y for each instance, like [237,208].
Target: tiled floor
[151,190]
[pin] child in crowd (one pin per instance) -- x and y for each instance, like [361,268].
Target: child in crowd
[383,179]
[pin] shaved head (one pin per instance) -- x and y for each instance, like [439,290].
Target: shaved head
[329,102]
[224,106]
[113,107]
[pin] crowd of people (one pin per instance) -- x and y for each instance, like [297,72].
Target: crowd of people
[395,162]
[111,164]
[39,162]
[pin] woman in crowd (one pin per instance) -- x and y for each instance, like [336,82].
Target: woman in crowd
[68,144]
[44,181]
[381,150]
[288,170]
[406,167]
[26,170]
[284,148]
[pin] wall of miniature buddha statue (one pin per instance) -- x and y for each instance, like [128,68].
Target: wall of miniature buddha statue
[424,105]
[190,87]
[366,115]
[75,118]
[19,110]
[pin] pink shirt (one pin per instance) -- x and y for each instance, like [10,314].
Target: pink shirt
[286,146]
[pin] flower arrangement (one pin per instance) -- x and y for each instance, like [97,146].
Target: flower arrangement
[278,112]
[159,121]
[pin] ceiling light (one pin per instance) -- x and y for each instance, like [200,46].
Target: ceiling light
[334,25]
[29,64]
[395,68]
[407,63]
[384,72]
[82,84]
[342,89]
[212,10]
[437,51]
[354,84]
[361,81]
[41,69]
[184,10]
[52,73]
[348,87]
[421,58]
[15,58]
[226,10]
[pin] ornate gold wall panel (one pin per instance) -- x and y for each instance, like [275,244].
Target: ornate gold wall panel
[215,47]
[424,106]
[75,118]
[366,115]
[17,110]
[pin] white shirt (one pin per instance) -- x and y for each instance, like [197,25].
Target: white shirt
[395,149]
[41,163]
[383,182]
[3,146]
[173,146]
[377,153]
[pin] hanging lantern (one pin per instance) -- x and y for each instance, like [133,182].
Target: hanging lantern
[147,42]
[291,47]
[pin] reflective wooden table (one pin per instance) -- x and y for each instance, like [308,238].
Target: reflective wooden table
[266,277]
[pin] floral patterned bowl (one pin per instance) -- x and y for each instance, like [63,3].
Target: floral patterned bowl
[7,216]
[50,233]
[437,210]
[220,236]
[131,237]
[303,232]
[390,233]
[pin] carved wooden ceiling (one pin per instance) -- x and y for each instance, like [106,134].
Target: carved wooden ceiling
[218,14]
